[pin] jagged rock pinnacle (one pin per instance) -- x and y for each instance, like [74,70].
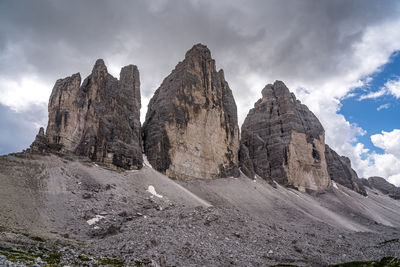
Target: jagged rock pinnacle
[99,119]
[191,128]
[283,141]
[199,51]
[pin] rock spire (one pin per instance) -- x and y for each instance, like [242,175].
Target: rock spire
[191,128]
[283,141]
[99,119]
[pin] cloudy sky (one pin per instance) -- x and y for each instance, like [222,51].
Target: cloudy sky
[338,57]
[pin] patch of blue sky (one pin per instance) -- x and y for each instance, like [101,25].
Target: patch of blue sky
[379,112]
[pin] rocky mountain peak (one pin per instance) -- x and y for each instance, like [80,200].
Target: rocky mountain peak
[199,51]
[278,89]
[267,91]
[99,64]
[283,141]
[41,131]
[99,68]
[191,128]
[99,119]
[129,80]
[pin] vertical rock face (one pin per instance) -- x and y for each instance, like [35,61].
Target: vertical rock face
[100,118]
[340,171]
[65,123]
[191,128]
[285,142]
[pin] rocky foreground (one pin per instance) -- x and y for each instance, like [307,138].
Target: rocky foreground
[70,211]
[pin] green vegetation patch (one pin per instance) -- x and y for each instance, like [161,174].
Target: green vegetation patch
[36,238]
[143,262]
[384,262]
[53,258]
[110,261]
[83,258]
[16,255]
[23,257]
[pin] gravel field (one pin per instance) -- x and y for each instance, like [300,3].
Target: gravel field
[68,211]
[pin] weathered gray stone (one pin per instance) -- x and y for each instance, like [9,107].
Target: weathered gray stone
[340,171]
[191,128]
[384,186]
[41,142]
[99,119]
[285,141]
[365,182]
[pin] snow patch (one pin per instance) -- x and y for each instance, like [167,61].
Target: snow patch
[146,162]
[335,185]
[152,191]
[94,220]
[294,193]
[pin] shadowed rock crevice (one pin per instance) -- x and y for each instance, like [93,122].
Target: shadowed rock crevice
[283,141]
[191,128]
[99,119]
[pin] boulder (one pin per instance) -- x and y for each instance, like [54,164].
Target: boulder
[191,128]
[285,141]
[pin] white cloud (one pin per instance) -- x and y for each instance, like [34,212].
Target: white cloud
[395,179]
[20,95]
[383,106]
[373,95]
[393,87]
[349,95]
[388,141]
[386,165]
[374,50]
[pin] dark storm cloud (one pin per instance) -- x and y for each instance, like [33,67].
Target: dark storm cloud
[297,38]
[290,40]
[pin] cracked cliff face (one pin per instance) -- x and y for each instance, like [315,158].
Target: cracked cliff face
[99,119]
[283,141]
[191,128]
